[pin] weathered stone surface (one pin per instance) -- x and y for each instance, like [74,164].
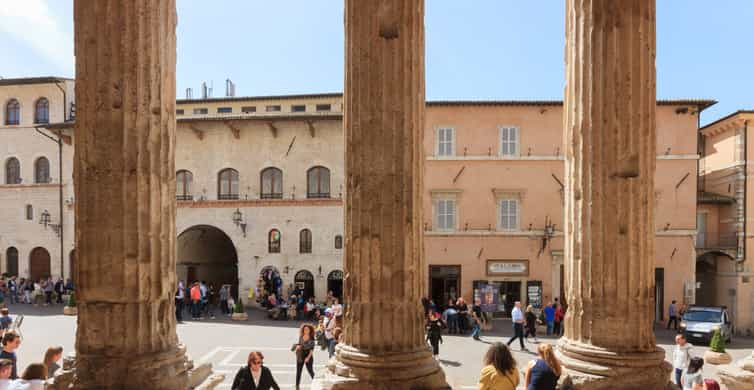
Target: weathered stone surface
[211,382]
[198,375]
[384,280]
[711,357]
[70,310]
[124,178]
[739,376]
[609,118]
[239,317]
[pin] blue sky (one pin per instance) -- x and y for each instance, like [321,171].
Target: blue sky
[476,49]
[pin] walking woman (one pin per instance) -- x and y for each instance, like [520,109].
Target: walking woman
[499,372]
[434,333]
[254,376]
[305,352]
[543,372]
[531,323]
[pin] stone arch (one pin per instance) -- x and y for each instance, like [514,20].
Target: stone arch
[335,283]
[304,280]
[11,261]
[710,289]
[39,263]
[206,253]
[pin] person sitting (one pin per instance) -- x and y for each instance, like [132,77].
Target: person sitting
[499,372]
[6,367]
[52,356]
[11,342]
[5,319]
[543,373]
[33,378]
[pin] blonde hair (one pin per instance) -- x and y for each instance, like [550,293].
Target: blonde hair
[530,309]
[548,355]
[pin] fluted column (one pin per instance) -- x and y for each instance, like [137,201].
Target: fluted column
[384,273]
[610,165]
[125,198]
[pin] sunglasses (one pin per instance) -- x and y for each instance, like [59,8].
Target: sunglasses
[256,362]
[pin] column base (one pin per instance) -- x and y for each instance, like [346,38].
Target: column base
[352,369]
[739,376]
[589,367]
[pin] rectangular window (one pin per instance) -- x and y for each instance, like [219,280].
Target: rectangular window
[298,108]
[445,214]
[200,111]
[323,107]
[445,141]
[29,212]
[508,214]
[274,108]
[179,112]
[224,110]
[248,109]
[509,141]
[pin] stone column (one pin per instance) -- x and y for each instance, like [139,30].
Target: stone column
[609,120]
[384,273]
[124,179]
[739,376]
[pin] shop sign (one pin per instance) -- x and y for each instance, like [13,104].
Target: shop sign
[507,267]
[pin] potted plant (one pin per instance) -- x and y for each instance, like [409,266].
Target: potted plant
[70,307]
[716,353]
[239,313]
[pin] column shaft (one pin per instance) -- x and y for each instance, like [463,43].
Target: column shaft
[609,121]
[124,180]
[384,125]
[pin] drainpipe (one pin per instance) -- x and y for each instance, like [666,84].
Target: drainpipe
[746,181]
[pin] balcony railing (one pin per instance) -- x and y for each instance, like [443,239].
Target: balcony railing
[184,197]
[716,240]
[317,195]
[273,195]
[227,196]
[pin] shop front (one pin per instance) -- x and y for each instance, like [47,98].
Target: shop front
[507,282]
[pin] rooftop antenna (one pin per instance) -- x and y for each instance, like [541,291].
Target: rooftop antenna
[189,93]
[211,85]
[230,88]
[204,90]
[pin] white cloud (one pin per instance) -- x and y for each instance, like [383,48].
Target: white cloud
[32,23]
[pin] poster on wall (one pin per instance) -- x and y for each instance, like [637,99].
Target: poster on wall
[489,295]
[534,293]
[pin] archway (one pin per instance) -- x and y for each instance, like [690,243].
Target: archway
[270,282]
[39,263]
[11,261]
[206,253]
[335,283]
[304,280]
[711,287]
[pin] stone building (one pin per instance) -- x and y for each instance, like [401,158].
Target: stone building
[494,200]
[725,242]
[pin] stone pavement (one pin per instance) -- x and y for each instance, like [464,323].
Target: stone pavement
[226,344]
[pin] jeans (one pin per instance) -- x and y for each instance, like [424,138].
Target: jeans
[674,321]
[48,297]
[195,309]
[550,326]
[475,331]
[331,343]
[678,373]
[518,333]
[453,323]
[224,306]
[13,296]
[179,310]
[309,367]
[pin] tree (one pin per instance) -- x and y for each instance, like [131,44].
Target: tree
[717,344]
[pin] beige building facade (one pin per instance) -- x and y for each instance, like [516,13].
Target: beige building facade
[724,269]
[494,201]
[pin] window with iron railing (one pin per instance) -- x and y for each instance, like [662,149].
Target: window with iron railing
[318,183]
[272,183]
[227,184]
[12,112]
[183,180]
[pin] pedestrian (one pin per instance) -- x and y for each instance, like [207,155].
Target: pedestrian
[337,311]
[196,299]
[48,286]
[180,293]
[518,325]
[69,287]
[328,325]
[6,366]
[692,376]
[681,357]
[450,316]
[52,357]
[463,312]
[673,315]
[210,301]
[550,317]
[559,316]
[531,323]
[13,290]
[543,372]
[499,371]
[231,305]
[11,341]
[476,324]
[434,333]
[304,352]
[59,290]
[223,294]
[33,378]
[711,384]
[5,319]
[254,375]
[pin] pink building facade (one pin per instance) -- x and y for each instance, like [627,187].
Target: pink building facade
[493,201]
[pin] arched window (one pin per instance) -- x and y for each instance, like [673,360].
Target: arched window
[227,184]
[305,241]
[12,112]
[273,241]
[42,170]
[42,111]
[12,171]
[183,181]
[11,261]
[272,183]
[318,183]
[338,242]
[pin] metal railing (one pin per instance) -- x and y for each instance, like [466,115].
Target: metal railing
[717,240]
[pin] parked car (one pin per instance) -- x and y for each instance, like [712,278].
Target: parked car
[700,323]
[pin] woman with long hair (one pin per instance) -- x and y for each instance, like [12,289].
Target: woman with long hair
[499,371]
[304,351]
[33,378]
[52,356]
[254,376]
[692,378]
[543,372]
[531,323]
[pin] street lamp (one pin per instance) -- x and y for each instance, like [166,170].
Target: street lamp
[44,219]
[238,221]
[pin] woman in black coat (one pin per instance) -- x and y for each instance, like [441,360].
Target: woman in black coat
[254,376]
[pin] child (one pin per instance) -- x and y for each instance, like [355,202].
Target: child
[231,305]
[5,320]
[681,357]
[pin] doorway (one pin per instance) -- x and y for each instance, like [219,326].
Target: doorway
[206,253]
[304,280]
[335,284]
[659,294]
[39,264]
[444,283]
[510,292]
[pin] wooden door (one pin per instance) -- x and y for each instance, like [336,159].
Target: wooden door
[39,264]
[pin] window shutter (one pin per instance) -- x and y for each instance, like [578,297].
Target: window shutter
[513,140]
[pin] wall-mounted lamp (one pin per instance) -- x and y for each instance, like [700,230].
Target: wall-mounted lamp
[319,270]
[238,221]
[44,218]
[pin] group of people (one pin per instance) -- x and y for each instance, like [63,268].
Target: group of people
[201,299]
[687,368]
[500,371]
[45,291]
[297,306]
[34,375]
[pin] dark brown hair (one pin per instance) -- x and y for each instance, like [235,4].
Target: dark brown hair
[35,371]
[4,311]
[51,353]
[500,356]
[9,337]
[311,331]
[254,356]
